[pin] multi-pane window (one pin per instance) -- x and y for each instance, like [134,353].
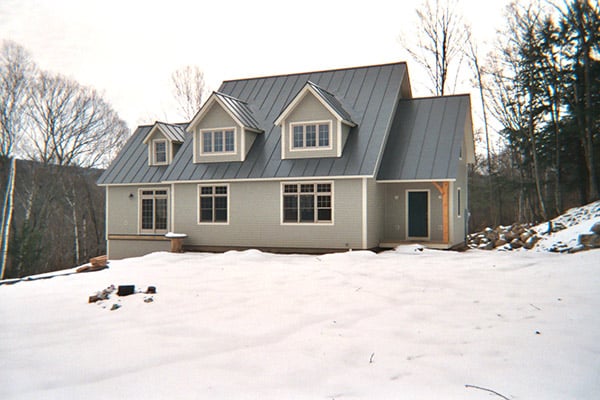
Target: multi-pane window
[154,209]
[160,151]
[307,203]
[313,135]
[213,204]
[218,141]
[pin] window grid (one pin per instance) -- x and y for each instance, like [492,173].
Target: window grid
[307,203]
[154,211]
[160,151]
[213,204]
[312,135]
[218,141]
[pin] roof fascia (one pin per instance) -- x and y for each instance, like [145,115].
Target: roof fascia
[151,132]
[214,98]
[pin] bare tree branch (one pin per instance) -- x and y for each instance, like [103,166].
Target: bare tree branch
[188,89]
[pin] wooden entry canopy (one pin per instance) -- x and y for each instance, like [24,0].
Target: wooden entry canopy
[443,188]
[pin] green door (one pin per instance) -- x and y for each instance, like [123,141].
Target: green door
[418,208]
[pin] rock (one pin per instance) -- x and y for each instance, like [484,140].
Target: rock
[596,228]
[488,246]
[516,244]
[115,307]
[500,242]
[590,240]
[151,290]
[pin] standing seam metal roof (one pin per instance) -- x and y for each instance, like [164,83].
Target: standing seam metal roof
[424,134]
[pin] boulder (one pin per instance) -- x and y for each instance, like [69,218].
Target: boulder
[516,244]
[596,228]
[590,240]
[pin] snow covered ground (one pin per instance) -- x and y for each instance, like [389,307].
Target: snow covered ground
[404,324]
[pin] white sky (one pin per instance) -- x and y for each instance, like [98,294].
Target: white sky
[128,49]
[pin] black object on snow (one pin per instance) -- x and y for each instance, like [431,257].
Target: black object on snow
[126,290]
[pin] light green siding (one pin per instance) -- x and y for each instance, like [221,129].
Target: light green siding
[309,109]
[375,212]
[255,218]
[118,249]
[216,117]
[396,211]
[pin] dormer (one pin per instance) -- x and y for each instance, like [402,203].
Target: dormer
[314,124]
[163,141]
[223,130]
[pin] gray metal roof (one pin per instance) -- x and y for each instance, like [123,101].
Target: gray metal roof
[174,132]
[368,94]
[332,101]
[425,140]
[424,134]
[240,109]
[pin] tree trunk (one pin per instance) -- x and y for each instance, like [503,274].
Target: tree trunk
[7,215]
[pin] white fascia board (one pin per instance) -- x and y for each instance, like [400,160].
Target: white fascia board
[417,180]
[282,179]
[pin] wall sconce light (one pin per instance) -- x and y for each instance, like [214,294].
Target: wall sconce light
[131,195]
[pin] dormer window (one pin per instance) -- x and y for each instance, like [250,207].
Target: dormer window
[314,124]
[163,140]
[160,151]
[311,135]
[218,141]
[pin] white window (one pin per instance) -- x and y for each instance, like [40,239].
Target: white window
[213,205]
[154,210]
[217,141]
[159,152]
[313,135]
[307,202]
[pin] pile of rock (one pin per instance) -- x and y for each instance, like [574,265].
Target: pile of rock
[592,239]
[508,237]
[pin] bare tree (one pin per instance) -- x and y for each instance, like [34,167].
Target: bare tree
[439,43]
[16,70]
[188,89]
[72,124]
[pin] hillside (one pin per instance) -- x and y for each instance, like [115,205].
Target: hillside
[409,323]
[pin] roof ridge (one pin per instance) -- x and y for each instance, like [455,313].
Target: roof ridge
[438,97]
[315,72]
[229,96]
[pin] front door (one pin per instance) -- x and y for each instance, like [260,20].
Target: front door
[418,214]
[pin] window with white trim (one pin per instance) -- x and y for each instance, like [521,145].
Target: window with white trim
[307,203]
[312,135]
[159,152]
[154,210]
[213,205]
[217,141]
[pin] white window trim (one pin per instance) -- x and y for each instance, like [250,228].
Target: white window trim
[428,215]
[152,151]
[316,147]
[198,194]
[282,192]
[200,142]
[139,212]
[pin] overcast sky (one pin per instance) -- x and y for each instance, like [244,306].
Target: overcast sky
[128,49]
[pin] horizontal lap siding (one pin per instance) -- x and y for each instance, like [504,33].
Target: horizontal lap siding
[255,218]
[118,249]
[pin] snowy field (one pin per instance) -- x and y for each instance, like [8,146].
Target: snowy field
[404,324]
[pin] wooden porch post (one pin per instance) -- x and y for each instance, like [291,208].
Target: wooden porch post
[443,189]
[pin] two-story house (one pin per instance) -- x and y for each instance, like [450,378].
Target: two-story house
[317,161]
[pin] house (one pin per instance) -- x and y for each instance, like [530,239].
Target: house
[319,161]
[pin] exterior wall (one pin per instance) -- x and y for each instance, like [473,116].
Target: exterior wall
[118,249]
[122,218]
[375,213]
[309,109]
[158,135]
[215,118]
[460,222]
[255,218]
[395,226]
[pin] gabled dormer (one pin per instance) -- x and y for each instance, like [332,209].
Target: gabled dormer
[163,141]
[314,124]
[223,130]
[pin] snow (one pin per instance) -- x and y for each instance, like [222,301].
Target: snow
[411,323]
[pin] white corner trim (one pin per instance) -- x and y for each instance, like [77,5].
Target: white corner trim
[364,213]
